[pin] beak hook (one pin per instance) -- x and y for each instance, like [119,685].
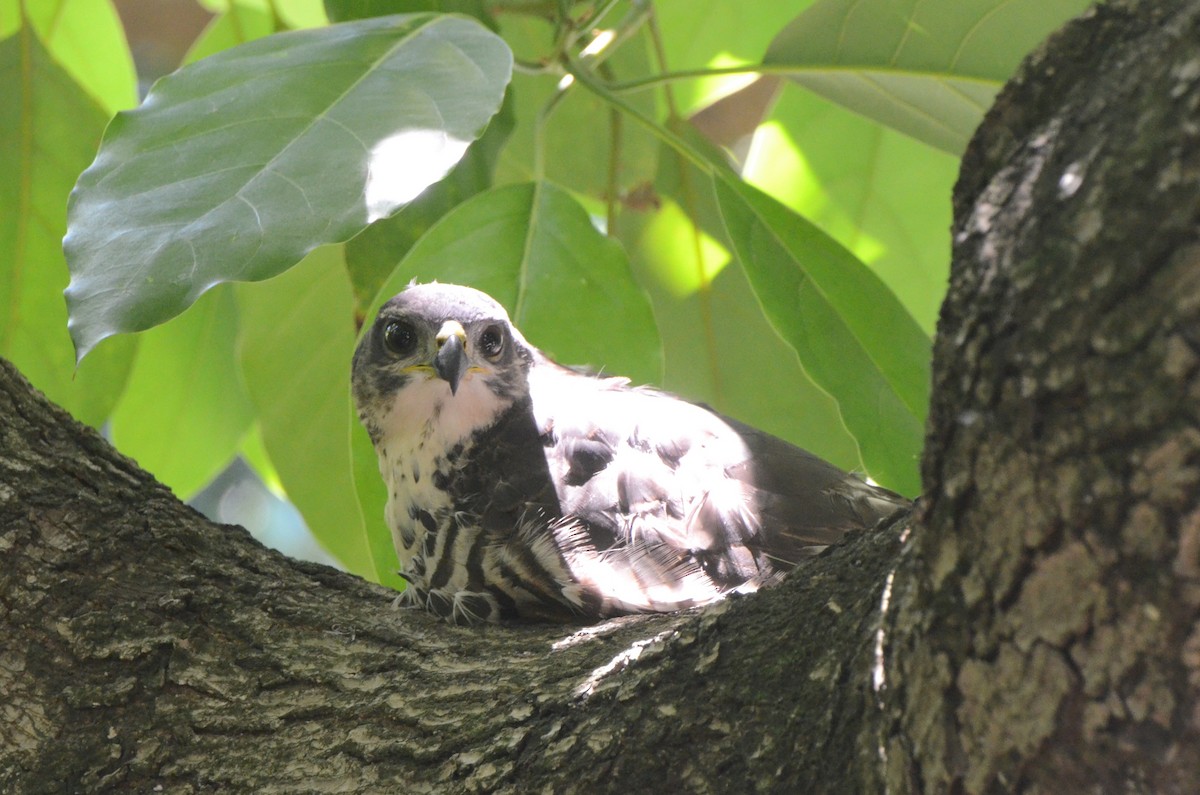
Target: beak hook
[450,363]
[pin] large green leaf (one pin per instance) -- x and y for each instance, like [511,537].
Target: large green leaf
[48,132]
[708,34]
[569,289]
[881,194]
[237,166]
[928,68]
[184,410]
[852,335]
[296,338]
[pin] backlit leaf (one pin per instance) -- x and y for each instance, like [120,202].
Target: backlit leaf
[853,337]
[928,68]
[48,131]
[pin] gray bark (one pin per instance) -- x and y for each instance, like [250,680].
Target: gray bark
[1036,627]
[1046,631]
[144,646]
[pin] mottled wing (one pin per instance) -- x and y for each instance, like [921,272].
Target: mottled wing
[679,496]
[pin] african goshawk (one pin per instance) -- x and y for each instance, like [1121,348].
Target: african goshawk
[518,488]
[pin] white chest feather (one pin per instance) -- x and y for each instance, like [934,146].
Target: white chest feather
[420,429]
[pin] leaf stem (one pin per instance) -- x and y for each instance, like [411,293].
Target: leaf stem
[586,78]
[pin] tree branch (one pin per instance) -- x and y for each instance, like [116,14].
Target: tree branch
[146,646]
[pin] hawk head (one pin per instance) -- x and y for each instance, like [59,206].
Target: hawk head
[438,352]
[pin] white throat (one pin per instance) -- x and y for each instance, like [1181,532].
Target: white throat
[423,423]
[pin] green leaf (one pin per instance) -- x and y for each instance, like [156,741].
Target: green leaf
[882,195]
[86,39]
[239,23]
[48,132]
[568,288]
[342,10]
[237,166]
[184,410]
[854,338]
[928,68]
[296,338]
[293,14]
[719,349]
[711,34]
[585,145]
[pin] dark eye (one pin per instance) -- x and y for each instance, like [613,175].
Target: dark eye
[491,342]
[400,337]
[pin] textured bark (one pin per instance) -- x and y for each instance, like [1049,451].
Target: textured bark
[144,646]
[1040,621]
[1046,632]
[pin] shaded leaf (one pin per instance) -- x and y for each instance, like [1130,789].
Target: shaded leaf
[238,165]
[928,68]
[184,410]
[48,132]
[881,194]
[296,339]
[585,145]
[854,338]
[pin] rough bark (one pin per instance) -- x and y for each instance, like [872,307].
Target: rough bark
[1039,621]
[1046,634]
[144,646]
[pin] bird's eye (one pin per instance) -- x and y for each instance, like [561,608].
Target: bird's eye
[400,337]
[491,342]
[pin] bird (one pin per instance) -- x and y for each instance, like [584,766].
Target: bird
[523,490]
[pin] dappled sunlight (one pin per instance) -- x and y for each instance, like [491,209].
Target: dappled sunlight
[778,166]
[682,257]
[401,166]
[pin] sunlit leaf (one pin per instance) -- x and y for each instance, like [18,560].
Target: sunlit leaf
[48,132]
[238,165]
[853,337]
[241,21]
[293,14]
[84,37]
[184,412]
[928,68]
[372,256]
[296,337]
[710,34]
[879,193]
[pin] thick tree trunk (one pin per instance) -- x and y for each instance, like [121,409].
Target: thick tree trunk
[1046,636]
[1037,627]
